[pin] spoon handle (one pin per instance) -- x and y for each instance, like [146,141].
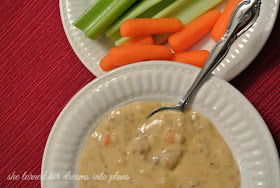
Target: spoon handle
[243,17]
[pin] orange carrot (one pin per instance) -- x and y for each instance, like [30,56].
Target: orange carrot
[196,58]
[169,136]
[106,65]
[222,23]
[124,55]
[141,40]
[147,26]
[106,140]
[193,32]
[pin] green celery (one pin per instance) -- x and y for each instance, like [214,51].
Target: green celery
[92,13]
[156,9]
[102,19]
[195,9]
[147,14]
[174,7]
[133,12]
[188,13]
[115,10]
[117,35]
[122,40]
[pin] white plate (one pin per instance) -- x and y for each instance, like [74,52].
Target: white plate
[233,115]
[242,53]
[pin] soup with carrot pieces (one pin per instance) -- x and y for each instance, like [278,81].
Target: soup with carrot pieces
[170,149]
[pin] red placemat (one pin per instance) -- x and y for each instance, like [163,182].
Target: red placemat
[40,73]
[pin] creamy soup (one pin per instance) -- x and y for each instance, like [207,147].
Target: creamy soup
[170,149]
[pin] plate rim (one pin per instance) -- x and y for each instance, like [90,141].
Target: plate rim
[71,42]
[263,127]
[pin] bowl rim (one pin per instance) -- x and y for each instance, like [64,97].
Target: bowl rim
[128,68]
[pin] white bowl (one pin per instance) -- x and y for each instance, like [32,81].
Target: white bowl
[236,119]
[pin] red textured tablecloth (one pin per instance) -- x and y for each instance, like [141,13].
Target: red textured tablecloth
[39,74]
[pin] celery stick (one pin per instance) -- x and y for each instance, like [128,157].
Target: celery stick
[107,17]
[156,9]
[132,12]
[195,9]
[147,14]
[116,36]
[123,40]
[190,12]
[176,6]
[91,14]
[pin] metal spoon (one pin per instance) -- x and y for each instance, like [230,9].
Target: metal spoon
[243,17]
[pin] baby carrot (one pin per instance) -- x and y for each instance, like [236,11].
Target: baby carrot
[106,140]
[222,23]
[141,40]
[106,65]
[147,26]
[193,32]
[123,55]
[196,58]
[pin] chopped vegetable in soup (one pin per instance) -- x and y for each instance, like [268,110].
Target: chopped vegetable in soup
[170,149]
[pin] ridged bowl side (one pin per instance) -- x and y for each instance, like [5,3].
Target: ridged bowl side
[233,115]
